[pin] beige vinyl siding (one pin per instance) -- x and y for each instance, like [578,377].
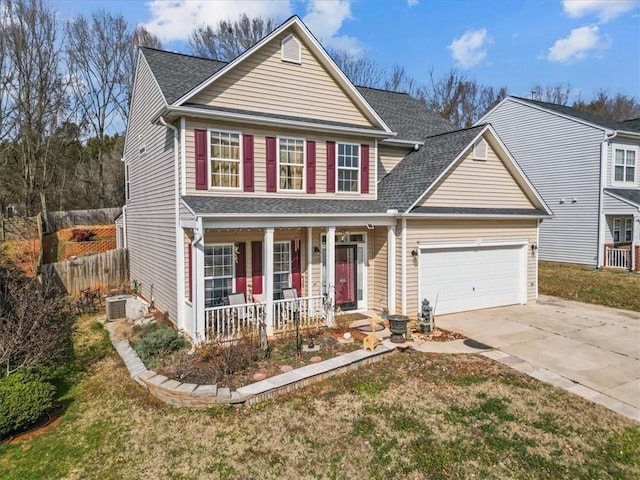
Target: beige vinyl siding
[461,231]
[380,269]
[260,165]
[265,83]
[389,157]
[479,183]
[151,216]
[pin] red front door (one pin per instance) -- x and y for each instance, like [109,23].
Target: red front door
[346,288]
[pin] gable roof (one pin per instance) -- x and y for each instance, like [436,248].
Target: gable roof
[574,113]
[628,195]
[177,73]
[407,116]
[632,124]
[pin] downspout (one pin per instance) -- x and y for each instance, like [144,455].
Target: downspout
[603,178]
[178,230]
[124,221]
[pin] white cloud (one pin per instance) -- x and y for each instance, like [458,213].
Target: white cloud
[325,18]
[605,10]
[470,48]
[175,20]
[577,45]
[412,3]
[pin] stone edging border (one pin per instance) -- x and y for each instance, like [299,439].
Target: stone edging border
[192,395]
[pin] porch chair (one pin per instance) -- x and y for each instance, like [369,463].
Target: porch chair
[293,305]
[240,314]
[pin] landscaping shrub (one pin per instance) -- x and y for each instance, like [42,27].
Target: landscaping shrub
[157,341]
[82,234]
[24,398]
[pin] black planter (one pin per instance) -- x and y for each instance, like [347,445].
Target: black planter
[398,327]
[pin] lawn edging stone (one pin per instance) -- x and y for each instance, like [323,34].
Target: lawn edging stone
[190,395]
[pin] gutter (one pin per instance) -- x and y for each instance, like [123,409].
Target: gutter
[608,136]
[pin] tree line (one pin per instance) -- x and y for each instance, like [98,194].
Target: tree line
[65,89]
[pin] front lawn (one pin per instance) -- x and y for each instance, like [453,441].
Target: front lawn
[613,288]
[411,415]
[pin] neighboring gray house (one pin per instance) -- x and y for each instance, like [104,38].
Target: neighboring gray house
[586,169]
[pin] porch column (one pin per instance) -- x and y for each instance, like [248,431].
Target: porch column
[331,270]
[403,265]
[391,268]
[268,277]
[197,279]
[635,241]
[309,262]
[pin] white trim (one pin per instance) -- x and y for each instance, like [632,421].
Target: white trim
[479,243]
[624,183]
[270,121]
[403,143]
[475,215]
[537,262]
[304,164]
[403,265]
[358,169]
[309,259]
[375,166]
[240,186]
[391,268]
[183,154]
[330,258]
[293,21]
[267,260]
[238,221]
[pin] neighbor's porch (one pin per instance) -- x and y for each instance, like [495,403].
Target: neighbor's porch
[240,278]
[622,249]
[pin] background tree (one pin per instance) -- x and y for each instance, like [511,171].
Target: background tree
[97,50]
[228,39]
[362,71]
[616,107]
[558,94]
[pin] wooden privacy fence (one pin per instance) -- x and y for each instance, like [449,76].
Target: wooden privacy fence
[102,271]
[70,218]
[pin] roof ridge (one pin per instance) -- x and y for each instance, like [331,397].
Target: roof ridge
[385,90]
[482,125]
[182,54]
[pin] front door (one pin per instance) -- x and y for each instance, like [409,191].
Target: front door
[346,284]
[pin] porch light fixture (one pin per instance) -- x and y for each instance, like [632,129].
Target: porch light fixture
[316,249]
[414,253]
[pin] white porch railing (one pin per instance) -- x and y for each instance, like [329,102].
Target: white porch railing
[310,312]
[618,258]
[227,321]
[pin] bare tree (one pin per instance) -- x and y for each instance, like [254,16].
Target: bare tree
[37,97]
[97,50]
[558,94]
[398,80]
[228,39]
[361,71]
[619,107]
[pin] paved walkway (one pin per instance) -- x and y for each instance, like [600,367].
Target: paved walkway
[590,350]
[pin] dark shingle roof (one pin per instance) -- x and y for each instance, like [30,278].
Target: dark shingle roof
[418,170]
[631,194]
[479,211]
[404,114]
[632,124]
[202,205]
[579,114]
[177,73]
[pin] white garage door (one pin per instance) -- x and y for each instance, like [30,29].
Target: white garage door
[462,279]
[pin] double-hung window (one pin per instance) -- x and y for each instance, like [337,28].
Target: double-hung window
[291,163]
[281,267]
[224,155]
[218,273]
[622,230]
[624,165]
[348,167]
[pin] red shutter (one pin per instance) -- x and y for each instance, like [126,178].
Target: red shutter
[311,167]
[331,167]
[247,160]
[364,169]
[190,271]
[241,268]
[201,160]
[256,268]
[296,278]
[271,164]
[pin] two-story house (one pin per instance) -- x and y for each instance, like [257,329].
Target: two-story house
[586,169]
[271,172]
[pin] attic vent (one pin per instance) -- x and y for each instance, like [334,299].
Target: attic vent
[291,49]
[480,150]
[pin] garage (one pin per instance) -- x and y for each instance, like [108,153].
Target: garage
[461,278]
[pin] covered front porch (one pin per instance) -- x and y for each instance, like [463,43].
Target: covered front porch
[243,275]
[622,247]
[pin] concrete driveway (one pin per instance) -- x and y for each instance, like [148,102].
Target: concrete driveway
[596,348]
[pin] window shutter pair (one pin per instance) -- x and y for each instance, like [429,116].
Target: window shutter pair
[256,267]
[272,165]
[331,167]
[202,155]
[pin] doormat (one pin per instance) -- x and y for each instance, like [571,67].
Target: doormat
[367,328]
[355,316]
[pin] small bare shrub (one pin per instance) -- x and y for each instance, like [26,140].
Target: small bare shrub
[82,235]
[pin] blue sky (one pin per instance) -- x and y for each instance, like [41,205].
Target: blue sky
[585,44]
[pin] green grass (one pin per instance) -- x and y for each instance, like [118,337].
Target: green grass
[612,288]
[410,415]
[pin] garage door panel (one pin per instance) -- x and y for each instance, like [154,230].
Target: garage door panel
[461,279]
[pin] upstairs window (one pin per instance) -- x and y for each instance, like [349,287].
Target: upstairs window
[624,165]
[291,164]
[348,167]
[224,155]
[218,273]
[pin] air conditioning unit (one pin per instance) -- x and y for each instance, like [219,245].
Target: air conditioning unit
[117,307]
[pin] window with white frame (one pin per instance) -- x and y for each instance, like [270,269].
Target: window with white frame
[224,156]
[622,230]
[218,273]
[348,167]
[624,165]
[291,163]
[281,267]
